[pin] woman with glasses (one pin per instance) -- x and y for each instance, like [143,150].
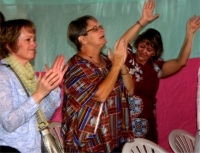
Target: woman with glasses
[95,111]
[94,114]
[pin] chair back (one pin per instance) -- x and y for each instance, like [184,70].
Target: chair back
[181,141]
[141,145]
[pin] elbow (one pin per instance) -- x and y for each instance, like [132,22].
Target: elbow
[101,95]
[131,89]
[131,92]
[102,99]
[182,65]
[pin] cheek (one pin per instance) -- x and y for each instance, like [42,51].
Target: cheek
[149,54]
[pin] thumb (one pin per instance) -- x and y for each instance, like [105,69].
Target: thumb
[109,53]
[39,77]
[156,16]
[46,67]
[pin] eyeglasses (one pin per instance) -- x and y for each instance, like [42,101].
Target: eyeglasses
[95,28]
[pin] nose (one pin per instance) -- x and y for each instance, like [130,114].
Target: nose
[144,50]
[34,43]
[101,28]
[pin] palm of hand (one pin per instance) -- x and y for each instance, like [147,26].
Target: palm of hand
[148,9]
[194,24]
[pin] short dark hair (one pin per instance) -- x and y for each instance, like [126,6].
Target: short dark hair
[78,28]
[9,33]
[2,18]
[154,38]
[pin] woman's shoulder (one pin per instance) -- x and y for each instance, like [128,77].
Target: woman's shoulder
[77,64]
[76,60]
[4,70]
[7,78]
[159,61]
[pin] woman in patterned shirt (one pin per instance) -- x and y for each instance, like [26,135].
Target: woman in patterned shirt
[95,112]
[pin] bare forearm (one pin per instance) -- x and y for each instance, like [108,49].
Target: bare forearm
[186,49]
[127,80]
[172,66]
[133,31]
[107,85]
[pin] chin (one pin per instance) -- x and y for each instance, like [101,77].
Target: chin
[31,58]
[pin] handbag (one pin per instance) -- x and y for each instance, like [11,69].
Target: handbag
[49,142]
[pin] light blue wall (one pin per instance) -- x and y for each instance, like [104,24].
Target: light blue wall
[52,17]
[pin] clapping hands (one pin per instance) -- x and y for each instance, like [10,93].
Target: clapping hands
[53,77]
[118,57]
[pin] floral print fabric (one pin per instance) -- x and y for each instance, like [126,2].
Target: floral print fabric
[142,104]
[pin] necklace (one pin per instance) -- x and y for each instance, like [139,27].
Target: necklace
[93,60]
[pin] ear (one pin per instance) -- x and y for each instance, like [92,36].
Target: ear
[155,54]
[81,39]
[8,47]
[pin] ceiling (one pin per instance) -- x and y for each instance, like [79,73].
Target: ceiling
[57,2]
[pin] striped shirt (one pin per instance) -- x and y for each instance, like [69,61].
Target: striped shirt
[80,112]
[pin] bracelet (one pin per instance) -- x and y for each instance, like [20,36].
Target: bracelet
[124,73]
[138,22]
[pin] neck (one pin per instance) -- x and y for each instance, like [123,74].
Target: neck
[96,60]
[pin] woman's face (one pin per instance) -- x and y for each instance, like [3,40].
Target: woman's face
[144,52]
[96,35]
[26,47]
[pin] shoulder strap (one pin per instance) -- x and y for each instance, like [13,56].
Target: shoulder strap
[42,121]
[17,78]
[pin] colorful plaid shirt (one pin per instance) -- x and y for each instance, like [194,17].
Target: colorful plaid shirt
[80,112]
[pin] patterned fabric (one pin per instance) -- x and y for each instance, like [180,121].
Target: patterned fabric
[25,73]
[142,104]
[17,113]
[80,112]
[27,76]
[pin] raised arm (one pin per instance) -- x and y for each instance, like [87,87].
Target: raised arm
[171,67]
[118,58]
[147,16]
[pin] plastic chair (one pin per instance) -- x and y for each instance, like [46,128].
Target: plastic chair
[181,141]
[55,128]
[141,145]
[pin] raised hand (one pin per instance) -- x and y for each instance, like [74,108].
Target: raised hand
[45,84]
[147,12]
[193,24]
[119,55]
[59,67]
